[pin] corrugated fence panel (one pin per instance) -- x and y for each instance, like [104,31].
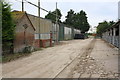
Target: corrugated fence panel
[112,39]
[55,32]
[68,33]
[61,32]
[116,41]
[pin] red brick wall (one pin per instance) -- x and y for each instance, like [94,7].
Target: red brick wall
[36,43]
[43,43]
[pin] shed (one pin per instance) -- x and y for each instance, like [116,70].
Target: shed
[24,31]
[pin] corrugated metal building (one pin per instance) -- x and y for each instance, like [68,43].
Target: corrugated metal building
[55,33]
[67,33]
[61,32]
[44,30]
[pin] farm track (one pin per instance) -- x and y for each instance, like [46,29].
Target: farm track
[89,58]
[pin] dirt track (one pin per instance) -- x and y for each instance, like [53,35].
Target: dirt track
[73,59]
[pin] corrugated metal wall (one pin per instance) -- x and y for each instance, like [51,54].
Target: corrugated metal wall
[73,33]
[45,27]
[61,32]
[44,31]
[67,33]
[55,32]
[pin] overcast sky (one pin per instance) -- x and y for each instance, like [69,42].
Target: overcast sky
[96,10]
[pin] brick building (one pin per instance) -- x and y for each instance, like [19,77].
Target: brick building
[24,31]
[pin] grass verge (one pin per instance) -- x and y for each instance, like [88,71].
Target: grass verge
[11,57]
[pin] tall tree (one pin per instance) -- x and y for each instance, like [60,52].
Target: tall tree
[102,26]
[52,16]
[77,20]
[7,26]
[83,23]
[70,18]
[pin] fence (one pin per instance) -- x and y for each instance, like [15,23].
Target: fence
[112,39]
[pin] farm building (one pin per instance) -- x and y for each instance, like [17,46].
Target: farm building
[67,33]
[24,31]
[111,35]
[43,32]
[76,31]
[61,32]
[47,33]
[55,33]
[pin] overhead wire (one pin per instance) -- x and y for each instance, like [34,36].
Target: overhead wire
[40,7]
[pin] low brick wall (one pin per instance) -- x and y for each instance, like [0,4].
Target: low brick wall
[43,43]
[46,43]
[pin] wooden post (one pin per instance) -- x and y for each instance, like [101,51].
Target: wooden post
[56,25]
[39,20]
[119,37]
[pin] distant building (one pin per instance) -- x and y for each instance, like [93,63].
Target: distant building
[24,31]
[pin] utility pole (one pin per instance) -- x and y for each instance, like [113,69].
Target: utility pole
[56,25]
[22,5]
[39,20]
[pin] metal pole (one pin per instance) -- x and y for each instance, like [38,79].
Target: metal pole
[39,20]
[22,5]
[56,25]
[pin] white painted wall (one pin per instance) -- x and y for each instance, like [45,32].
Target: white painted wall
[67,33]
[42,36]
[68,30]
[76,31]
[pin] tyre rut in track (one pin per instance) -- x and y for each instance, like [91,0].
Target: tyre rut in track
[86,53]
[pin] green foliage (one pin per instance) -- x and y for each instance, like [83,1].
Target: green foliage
[27,49]
[70,18]
[103,26]
[7,27]
[77,20]
[11,57]
[0,26]
[52,16]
